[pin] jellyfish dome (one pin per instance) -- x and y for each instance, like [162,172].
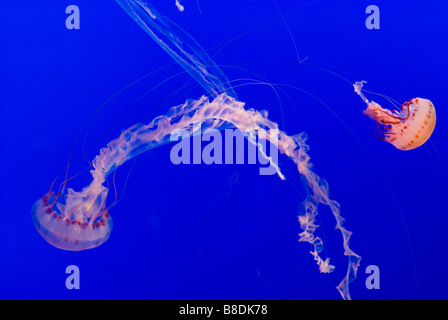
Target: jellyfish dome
[74,231]
[406,129]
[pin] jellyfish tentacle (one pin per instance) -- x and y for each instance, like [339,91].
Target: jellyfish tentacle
[179,45]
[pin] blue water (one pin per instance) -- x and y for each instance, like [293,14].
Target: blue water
[224,231]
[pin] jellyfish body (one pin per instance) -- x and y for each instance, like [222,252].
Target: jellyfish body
[69,232]
[406,129]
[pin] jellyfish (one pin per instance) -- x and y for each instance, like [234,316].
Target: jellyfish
[80,220]
[406,129]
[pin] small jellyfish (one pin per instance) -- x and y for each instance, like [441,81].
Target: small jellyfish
[406,129]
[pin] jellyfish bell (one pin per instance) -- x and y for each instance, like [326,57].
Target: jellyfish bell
[68,229]
[406,129]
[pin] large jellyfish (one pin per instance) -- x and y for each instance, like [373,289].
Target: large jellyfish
[79,220]
[406,129]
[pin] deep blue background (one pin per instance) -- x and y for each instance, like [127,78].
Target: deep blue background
[188,231]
